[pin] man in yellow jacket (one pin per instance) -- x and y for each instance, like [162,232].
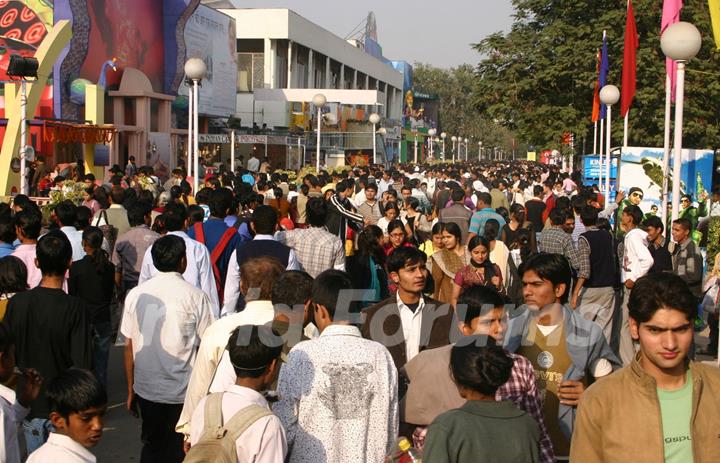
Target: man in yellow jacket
[663,406]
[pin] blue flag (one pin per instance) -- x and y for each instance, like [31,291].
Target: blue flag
[604,68]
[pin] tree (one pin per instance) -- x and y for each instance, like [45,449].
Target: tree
[458,114]
[538,78]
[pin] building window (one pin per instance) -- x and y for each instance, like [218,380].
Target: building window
[251,71]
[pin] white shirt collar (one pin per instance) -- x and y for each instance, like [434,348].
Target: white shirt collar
[179,233]
[341,330]
[264,237]
[248,394]
[60,440]
[402,305]
[259,306]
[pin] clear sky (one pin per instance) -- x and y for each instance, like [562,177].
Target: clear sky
[432,32]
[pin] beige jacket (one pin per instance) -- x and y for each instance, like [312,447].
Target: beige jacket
[619,418]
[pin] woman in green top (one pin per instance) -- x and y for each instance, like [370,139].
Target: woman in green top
[482,429]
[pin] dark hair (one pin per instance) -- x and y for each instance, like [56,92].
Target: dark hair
[93,237]
[491,230]
[479,300]
[220,201]
[54,253]
[316,211]
[368,245]
[657,291]
[552,267]
[137,212]
[684,223]
[143,195]
[66,213]
[83,215]
[74,391]
[454,229]
[438,228]
[203,195]
[371,186]
[518,211]
[457,194]
[397,223]
[558,216]
[478,240]
[13,275]
[101,197]
[7,340]
[413,202]
[259,275]
[589,216]
[167,252]
[537,190]
[292,288]
[634,212]
[196,214]
[392,205]
[174,217]
[563,202]
[117,195]
[485,198]
[655,222]
[480,368]
[265,219]
[327,288]
[250,351]
[29,222]
[405,255]
[7,229]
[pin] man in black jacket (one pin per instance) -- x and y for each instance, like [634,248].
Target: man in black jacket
[658,245]
[341,213]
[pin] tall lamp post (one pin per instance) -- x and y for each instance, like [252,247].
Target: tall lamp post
[374,119]
[680,42]
[466,149]
[23,67]
[432,133]
[383,131]
[442,137]
[609,95]
[195,70]
[319,101]
[479,151]
[454,140]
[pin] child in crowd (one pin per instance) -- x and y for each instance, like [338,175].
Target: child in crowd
[14,404]
[78,403]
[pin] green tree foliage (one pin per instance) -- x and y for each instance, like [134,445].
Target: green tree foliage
[458,114]
[538,79]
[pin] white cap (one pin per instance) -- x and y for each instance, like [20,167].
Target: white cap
[477,185]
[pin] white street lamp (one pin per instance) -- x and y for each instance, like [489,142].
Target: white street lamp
[466,149]
[479,151]
[432,133]
[680,42]
[319,101]
[383,131]
[374,119]
[195,70]
[609,95]
[442,137]
[454,140]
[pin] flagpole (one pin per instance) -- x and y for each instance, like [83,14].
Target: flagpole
[600,152]
[666,148]
[594,151]
[625,128]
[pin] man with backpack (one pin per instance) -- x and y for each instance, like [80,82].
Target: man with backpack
[237,425]
[220,239]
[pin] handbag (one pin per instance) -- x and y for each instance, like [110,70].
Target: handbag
[109,232]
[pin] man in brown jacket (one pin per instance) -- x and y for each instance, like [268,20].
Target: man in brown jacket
[409,322]
[663,406]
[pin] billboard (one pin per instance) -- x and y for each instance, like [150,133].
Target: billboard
[591,167]
[642,167]
[210,36]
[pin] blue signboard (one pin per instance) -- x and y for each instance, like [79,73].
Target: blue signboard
[591,167]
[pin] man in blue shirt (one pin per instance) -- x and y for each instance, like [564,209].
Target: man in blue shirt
[214,233]
[483,214]
[7,235]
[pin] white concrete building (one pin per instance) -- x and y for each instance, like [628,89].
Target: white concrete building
[278,50]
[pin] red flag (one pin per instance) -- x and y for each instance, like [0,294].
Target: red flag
[596,95]
[629,63]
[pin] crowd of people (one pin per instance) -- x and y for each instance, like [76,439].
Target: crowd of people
[488,311]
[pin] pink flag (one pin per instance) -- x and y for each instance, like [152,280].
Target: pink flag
[670,15]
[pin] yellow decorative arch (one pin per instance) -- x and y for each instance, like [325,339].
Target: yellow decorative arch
[48,52]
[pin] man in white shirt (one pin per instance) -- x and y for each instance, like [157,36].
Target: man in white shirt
[198,271]
[253,164]
[255,363]
[164,320]
[258,277]
[66,215]
[264,223]
[636,263]
[338,393]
